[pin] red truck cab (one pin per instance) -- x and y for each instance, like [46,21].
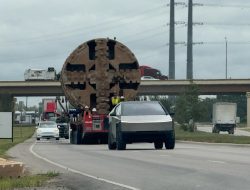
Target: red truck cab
[155,73]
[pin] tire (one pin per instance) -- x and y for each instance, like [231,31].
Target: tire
[215,130]
[74,137]
[71,137]
[67,137]
[120,144]
[111,145]
[79,135]
[170,140]
[38,139]
[158,145]
[231,131]
[57,139]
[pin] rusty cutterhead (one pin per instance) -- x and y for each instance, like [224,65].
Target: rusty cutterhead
[97,70]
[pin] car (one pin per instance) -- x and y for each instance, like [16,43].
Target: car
[47,129]
[140,121]
[148,78]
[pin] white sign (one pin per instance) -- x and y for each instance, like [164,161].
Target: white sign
[6,125]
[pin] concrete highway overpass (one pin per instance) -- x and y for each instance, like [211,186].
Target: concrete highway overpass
[9,89]
[155,87]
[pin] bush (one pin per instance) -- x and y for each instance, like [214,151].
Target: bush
[188,127]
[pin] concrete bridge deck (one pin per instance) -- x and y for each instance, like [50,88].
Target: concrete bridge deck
[155,87]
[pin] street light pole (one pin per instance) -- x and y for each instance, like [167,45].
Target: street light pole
[226,56]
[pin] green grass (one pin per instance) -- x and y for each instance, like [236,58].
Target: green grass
[200,136]
[26,181]
[20,134]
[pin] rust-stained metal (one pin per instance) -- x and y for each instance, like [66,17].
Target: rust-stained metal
[96,71]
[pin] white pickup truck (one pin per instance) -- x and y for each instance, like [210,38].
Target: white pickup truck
[40,74]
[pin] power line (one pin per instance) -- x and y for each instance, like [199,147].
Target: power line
[154,35]
[222,5]
[153,53]
[229,42]
[221,24]
[25,58]
[183,23]
[80,30]
[143,32]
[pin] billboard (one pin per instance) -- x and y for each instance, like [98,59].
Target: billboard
[6,127]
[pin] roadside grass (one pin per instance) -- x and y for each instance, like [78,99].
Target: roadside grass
[199,136]
[26,181]
[20,134]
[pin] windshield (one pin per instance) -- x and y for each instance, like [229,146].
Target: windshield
[148,108]
[48,125]
[52,118]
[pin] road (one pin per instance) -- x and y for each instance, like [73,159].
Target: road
[188,166]
[208,128]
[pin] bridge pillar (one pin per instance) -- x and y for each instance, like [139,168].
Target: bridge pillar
[248,109]
[6,103]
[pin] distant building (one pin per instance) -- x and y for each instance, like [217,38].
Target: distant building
[25,117]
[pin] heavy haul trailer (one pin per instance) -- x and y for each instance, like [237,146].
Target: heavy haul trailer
[92,74]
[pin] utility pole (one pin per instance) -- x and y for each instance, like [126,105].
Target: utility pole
[226,56]
[190,41]
[171,74]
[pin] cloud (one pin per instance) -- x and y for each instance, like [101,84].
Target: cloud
[41,34]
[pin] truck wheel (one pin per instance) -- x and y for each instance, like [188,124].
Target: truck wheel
[74,137]
[215,130]
[231,131]
[158,144]
[120,144]
[71,137]
[79,135]
[111,144]
[38,139]
[57,139]
[170,140]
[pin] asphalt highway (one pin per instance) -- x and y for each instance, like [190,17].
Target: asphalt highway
[188,166]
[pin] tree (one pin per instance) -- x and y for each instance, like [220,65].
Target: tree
[206,105]
[188,108]
[165,101]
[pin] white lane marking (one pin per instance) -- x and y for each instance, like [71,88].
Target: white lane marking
[216,161]
[79,172]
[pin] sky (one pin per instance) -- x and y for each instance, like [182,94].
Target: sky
[42,33]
